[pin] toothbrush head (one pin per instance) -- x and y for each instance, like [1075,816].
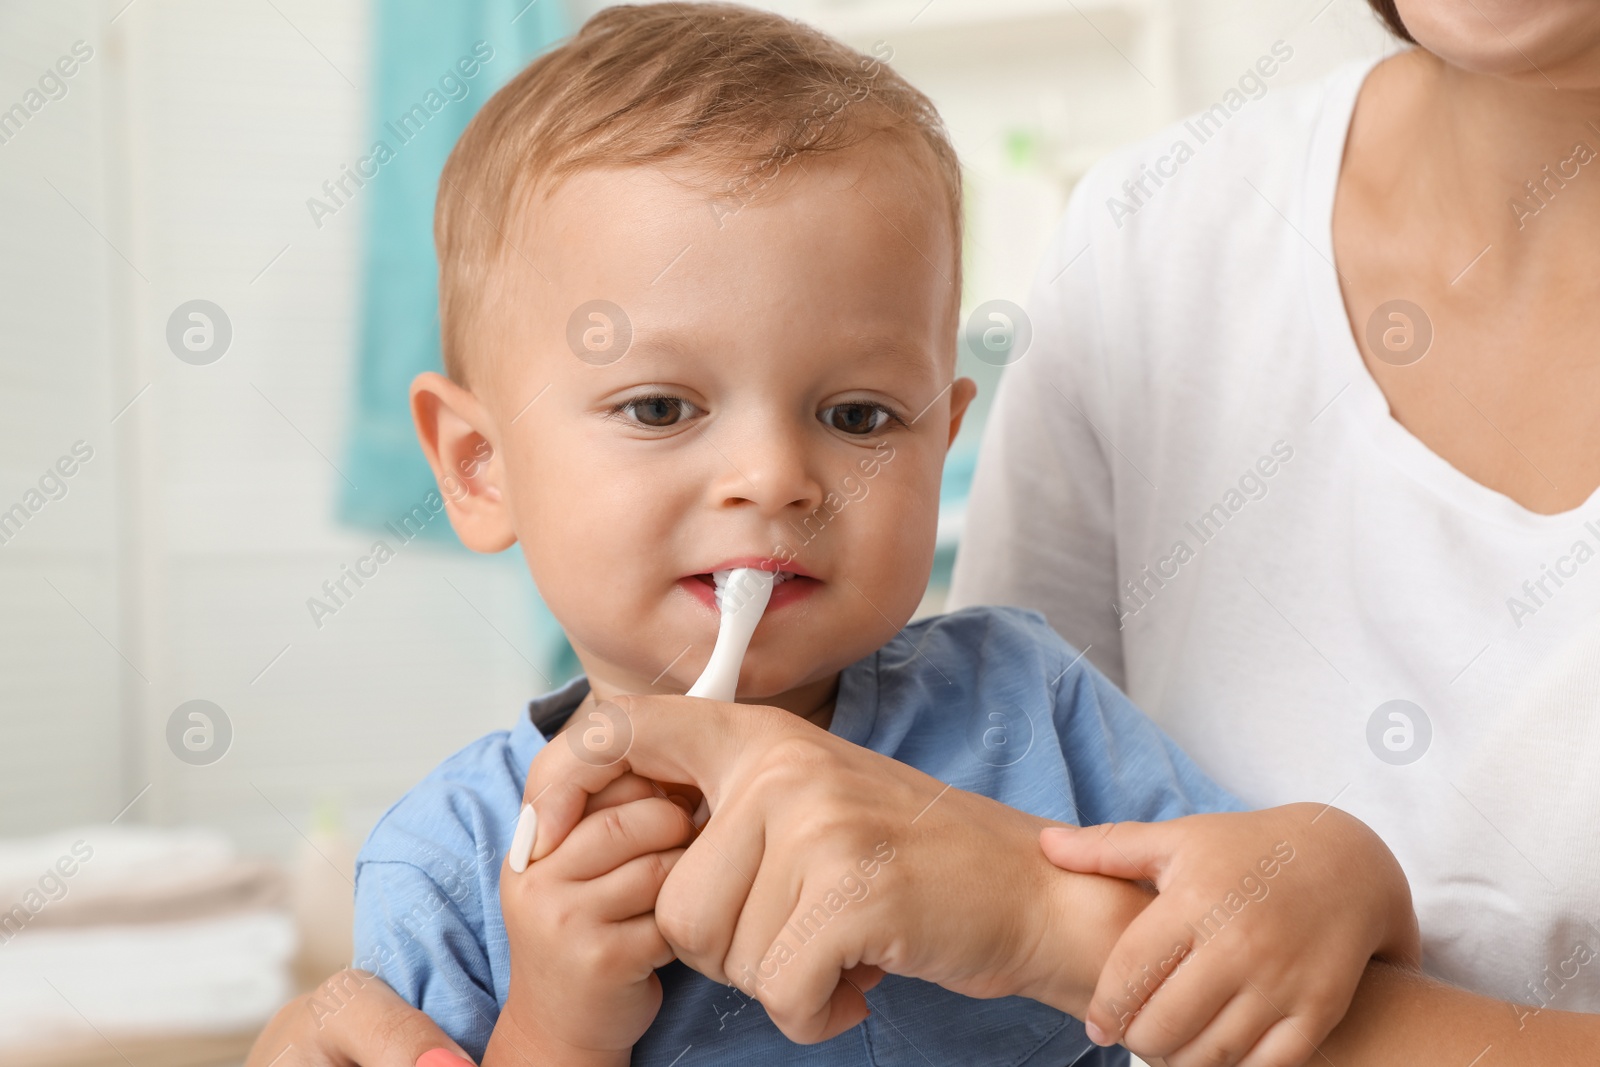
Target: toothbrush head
[739,585]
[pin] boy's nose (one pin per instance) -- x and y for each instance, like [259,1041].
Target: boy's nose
[770,471]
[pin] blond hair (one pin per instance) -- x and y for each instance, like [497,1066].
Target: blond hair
[737,93]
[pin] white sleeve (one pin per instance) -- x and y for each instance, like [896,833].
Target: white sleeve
[1039,530]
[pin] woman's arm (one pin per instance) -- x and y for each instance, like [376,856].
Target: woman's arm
[1399,1016]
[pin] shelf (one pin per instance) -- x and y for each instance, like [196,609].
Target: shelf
[898,19]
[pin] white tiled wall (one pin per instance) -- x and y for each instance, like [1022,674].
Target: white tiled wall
[191,541]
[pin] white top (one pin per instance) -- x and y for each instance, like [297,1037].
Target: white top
[1192,474]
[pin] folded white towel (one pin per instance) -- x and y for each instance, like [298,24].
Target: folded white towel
[216,975]
[109,874]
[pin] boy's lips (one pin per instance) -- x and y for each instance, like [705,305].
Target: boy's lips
[793,582]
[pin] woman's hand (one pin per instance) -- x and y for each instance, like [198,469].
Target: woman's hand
[825,865]
[1264,925]
[353,1020]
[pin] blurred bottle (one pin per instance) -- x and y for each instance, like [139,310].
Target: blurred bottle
[323,897]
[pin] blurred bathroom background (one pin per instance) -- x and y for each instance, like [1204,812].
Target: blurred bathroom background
[206,328]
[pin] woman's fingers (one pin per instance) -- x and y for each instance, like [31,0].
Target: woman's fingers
[703,898]
[804,984]
[684,740]
[439,1057]
[373,1027]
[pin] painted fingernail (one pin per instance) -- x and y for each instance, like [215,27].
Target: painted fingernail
[439,1057]
[522,841]
[1097,1035]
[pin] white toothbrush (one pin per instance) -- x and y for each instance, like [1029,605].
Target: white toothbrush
[742,595]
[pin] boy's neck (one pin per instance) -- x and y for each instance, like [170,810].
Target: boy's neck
[812,701]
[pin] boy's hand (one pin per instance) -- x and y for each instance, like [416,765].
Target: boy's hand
[1253,949]
[582,932]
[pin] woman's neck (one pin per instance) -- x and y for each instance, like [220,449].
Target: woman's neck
[1507,164]
[1434,207]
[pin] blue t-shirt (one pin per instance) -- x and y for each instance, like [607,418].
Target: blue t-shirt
[989,700]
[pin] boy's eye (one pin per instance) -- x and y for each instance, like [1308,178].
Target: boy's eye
[855,418]
[656,412]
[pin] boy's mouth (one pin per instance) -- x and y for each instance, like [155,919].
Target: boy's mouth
[789,585]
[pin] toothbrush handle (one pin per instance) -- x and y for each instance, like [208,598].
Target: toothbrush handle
[720,679]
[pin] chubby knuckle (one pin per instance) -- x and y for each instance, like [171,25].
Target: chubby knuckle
[651,870]
[1206,1055]
[1159,1034]
[614,825]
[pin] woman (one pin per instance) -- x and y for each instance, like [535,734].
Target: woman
[1361,522]
[1305,455]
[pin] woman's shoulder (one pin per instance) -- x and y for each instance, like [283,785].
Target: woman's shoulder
[1249,152]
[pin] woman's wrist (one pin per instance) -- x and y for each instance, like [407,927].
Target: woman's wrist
[1078,920]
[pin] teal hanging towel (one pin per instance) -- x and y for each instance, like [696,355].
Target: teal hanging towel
[435,63]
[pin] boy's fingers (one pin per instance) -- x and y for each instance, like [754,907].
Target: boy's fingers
[632,888]
[1286,1043]
[559,805]
[1221,1042]
[626,788]
[1135,851]
[1143,962]
[642,945]
[608,838]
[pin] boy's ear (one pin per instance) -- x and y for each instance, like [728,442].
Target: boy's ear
[456,435]
[962,390]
